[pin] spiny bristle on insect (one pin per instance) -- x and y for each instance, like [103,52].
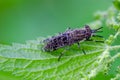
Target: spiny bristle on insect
[69,37]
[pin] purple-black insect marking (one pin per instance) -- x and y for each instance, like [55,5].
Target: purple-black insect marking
[69,37]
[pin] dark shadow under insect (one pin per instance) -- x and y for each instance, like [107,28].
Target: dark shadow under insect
[69,37]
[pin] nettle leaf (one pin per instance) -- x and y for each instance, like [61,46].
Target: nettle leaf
[30,62]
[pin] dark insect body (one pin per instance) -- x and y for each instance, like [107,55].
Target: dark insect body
[70,37]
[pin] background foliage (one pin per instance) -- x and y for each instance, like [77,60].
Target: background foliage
[24,20]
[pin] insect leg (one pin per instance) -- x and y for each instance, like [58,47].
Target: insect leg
[97,36]
[78,45]
[81,48]
[100,41]
[84,51]
[62,54]
[94,40]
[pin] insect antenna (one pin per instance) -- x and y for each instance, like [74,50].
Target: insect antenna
[95,35]
[97,30]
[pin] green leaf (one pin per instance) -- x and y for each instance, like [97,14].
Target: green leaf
[29,62]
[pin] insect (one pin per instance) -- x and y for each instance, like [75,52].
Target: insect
[70,37]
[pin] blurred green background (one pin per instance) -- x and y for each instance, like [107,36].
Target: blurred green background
[22,20]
